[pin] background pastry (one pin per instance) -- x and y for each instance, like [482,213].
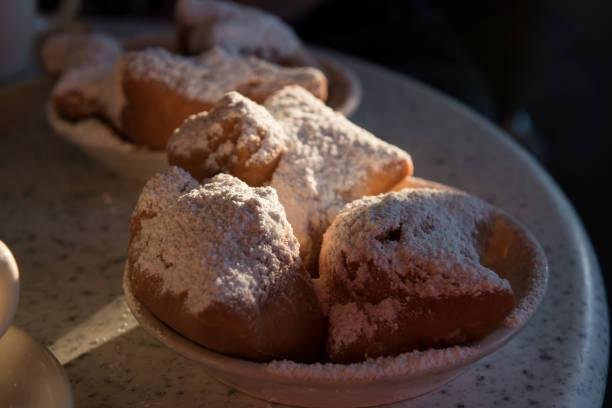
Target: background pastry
[163,89]
[88,70]
[203,24]
[219,264]
[402,271]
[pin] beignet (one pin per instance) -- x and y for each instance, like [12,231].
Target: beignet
[402,271]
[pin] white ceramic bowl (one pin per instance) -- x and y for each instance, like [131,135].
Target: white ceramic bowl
[102,144]
[139,163]
[512,252]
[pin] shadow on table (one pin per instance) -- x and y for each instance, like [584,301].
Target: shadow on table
[133,369]
[64,216]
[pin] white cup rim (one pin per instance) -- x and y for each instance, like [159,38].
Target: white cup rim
[9,287]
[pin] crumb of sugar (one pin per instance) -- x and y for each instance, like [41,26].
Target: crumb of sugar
[222,241]
[425,242]
[212,74]
[237,28]
[329,164]
[259,134]
[406,364]
[350,322]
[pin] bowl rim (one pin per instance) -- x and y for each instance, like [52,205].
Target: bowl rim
[78,133]
[469,355]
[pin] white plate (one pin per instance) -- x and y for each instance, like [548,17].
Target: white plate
[516,256]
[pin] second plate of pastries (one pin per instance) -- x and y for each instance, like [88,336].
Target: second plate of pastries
[120,101]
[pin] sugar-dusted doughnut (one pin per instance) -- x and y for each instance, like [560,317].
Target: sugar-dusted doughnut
[237,136]
[88,70]
[202,25]
[402,271]
[163,89]
[332,162]
[219,263]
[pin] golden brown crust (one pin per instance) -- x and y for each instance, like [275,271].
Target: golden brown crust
[252,174]
[289,326]
[416,182]
[153,110]
[74,105]
[236,136]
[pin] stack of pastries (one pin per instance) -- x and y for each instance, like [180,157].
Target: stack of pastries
[281,229]
[143,95]
[278,233]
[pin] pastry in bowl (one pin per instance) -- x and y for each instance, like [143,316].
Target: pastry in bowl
[511,251]
[331,163]
[218,262]
[237,136]
[404,271]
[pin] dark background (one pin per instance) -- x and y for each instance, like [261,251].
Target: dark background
[540,69]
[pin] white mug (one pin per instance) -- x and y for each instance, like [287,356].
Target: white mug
[20,24]
[9,287]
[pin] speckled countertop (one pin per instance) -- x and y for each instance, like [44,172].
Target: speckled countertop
[66,220]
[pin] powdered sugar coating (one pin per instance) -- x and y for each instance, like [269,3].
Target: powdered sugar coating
[351,321]
[163,190]
[209,76]
[259,136]
[528,303]
[331,162]
[424,243]
[236,28]
[220,242]
[406,364]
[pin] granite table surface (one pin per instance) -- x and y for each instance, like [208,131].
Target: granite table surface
[66,217]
